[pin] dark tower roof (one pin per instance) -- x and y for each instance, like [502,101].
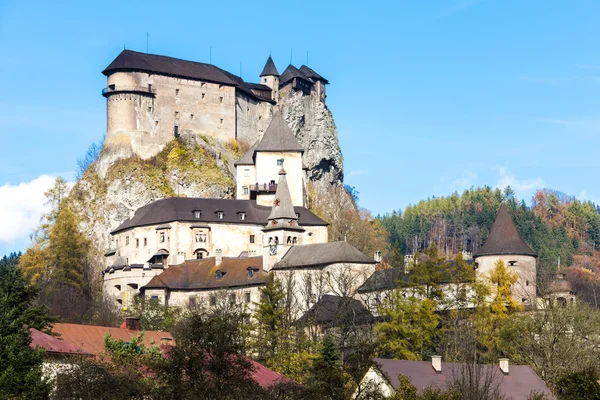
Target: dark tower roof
[309,72]
[279,137]
[504,238]
[269,68]
[283,215]
[292,72]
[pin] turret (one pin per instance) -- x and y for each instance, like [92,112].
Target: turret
[282,230]
[270,77]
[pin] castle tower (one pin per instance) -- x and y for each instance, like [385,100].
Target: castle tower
[270,77]
[282,230]
[504,243]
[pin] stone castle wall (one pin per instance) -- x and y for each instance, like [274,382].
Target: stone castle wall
[524,291]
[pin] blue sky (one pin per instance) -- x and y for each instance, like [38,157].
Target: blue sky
[429,97]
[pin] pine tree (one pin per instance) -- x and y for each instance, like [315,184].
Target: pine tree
[326,376]
[20,366]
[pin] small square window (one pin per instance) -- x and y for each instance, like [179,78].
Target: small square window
[145,242]
[162,237]
[197,214]
[260,117]
[203,94]
[154,298]
[220,215]
[264,79]
[203,84]
[176,92]
[191,116]
[137,242]
[220,99]
[245,189]
[242,216]
[247,172]
[251,238]
[149,108]
[176,114]
[280,162]
[221,120]
[155,123]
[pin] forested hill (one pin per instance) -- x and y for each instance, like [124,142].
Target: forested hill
[554,225]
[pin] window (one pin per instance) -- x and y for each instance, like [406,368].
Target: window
[246,172]
[118,287]
[203,84]
[242,216]
[213,300]
[220,215]
[149,108]
[176,114]
[176,131]
[145,242]
[526,283]
[260,117]
[162,237]
[192,302]
[220,86]
[150,87]
[264,79]
[280,162]
[176,92]
[248,298]
[220,99]
[200,237]
[137,242]
[155,123]
[203,94]
[219,275]
[221,120]
[297,215]
[251,238]
[154,298]
[245,190]
[513,263]
[251,272]
[191,116]
[197,214]
[232,298]
[126,240]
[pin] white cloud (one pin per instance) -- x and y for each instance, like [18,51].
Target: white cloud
[464,182]
[21,207]
[523,187]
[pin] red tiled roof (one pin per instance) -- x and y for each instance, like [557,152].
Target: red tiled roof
[90,338]
[54,345]
[266,377]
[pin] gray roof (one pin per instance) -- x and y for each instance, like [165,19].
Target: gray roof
[248,158]
[279,137]
[504,238]
[309,72]
[290,73]
[269,68]
[283,215]
[518,384]
[384,279]
[335,311]
[322,254]
[129,60]
[182,209]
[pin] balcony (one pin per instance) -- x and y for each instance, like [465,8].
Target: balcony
[265,188]
[143,90]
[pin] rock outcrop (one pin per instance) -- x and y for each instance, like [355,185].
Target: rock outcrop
[120,182]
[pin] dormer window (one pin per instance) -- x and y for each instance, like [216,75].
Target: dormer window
[220,274]
[242,216]
[197,214]
[280,162]
[251,272]
[220,214]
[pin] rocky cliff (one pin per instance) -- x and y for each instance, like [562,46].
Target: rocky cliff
[120,182]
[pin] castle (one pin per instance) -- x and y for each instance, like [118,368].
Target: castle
[150,99]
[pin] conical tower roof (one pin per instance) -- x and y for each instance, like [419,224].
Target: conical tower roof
[269,68]
[504,238]
[279,137]
[283,215]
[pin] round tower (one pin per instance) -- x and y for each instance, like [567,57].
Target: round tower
[270,77]
[504,243]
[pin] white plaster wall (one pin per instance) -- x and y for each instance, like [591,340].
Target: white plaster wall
[182,298]
[124,279]
[525,288]
[374,378]
[244,181]
[267,170]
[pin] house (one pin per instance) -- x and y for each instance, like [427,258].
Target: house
[513,381]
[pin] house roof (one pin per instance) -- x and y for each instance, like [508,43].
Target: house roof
[321,254]
[269,68]
[129,60]
[283,215]
[248,158]
[53,345]
[336,310]
[518,384]
[384,279]
[90,338]
[266,377]
[309,72]
[290,73]
[202,274]
[182,209]
[279,137]
[504,238]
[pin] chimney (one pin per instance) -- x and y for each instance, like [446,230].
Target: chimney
[133,324]
[436,363]
[218,256]
[504,365]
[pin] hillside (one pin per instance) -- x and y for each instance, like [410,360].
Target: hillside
[119,182]
[555,225]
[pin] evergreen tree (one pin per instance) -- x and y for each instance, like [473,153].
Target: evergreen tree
[270,316]
[326,376]
[20,365]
